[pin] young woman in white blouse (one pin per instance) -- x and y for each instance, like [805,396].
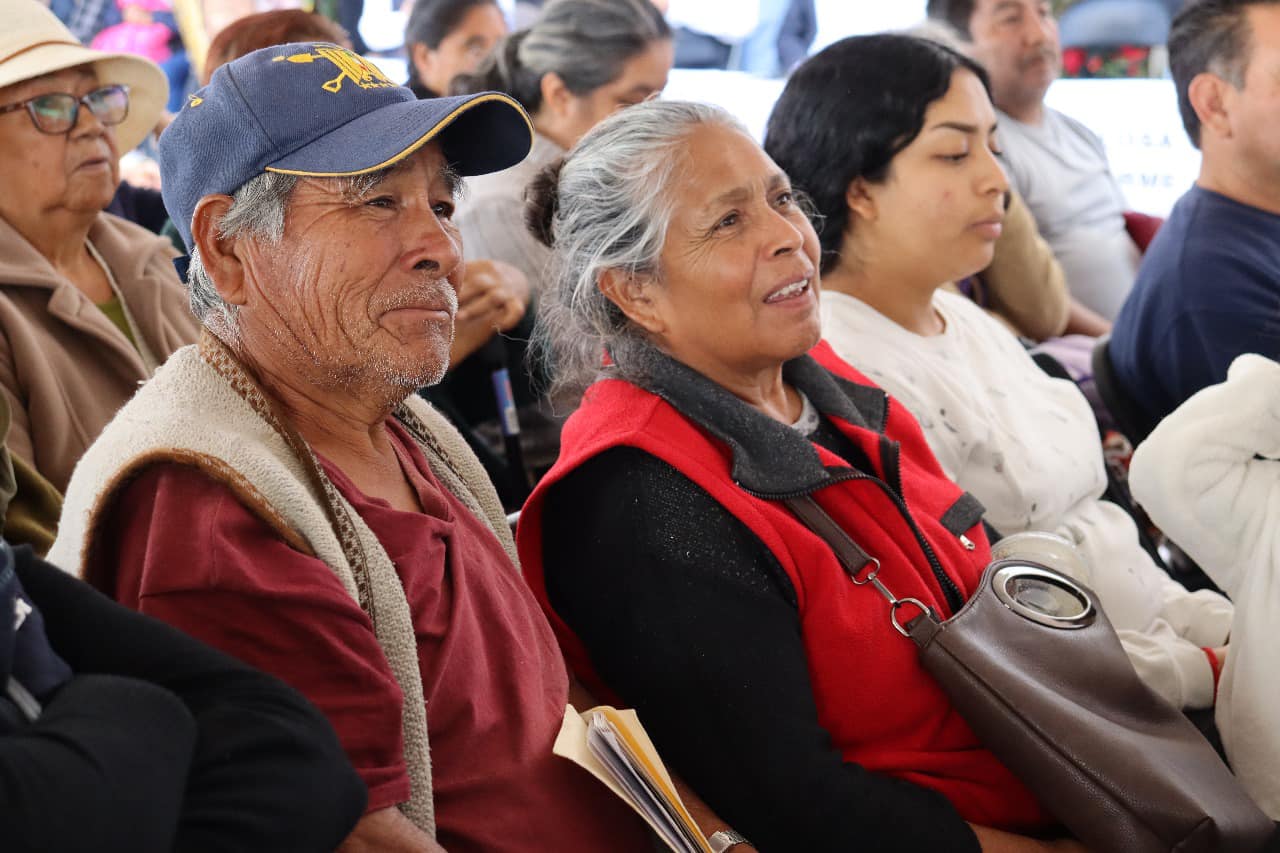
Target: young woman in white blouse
[911,196]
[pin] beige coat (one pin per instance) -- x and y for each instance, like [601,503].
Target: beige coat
[65,369]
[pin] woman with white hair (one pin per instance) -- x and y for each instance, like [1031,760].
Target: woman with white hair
[90,304]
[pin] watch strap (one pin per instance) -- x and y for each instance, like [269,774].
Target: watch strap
[724,839]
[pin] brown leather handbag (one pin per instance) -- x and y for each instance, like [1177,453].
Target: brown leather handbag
[1033,665]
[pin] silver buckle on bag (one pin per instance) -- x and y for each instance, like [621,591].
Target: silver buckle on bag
[1043,596]
[873,577]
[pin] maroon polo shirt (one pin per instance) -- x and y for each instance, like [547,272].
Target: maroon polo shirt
[189,553]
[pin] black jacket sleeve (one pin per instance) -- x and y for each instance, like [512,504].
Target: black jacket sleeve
[103,768]
[687,616]
[267,771]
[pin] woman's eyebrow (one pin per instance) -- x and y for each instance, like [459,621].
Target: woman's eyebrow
[744,193]
[962,127]
[737,195]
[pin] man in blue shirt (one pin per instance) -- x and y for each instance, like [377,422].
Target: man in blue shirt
[1209,286]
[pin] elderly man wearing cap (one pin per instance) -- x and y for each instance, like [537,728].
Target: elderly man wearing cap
[280,492]
[89,303]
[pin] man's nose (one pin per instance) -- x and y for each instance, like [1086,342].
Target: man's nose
[437,248]
[1041,29]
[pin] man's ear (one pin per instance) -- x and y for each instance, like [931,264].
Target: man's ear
[631,293]
[1211,101]
[217,253]
[858,197]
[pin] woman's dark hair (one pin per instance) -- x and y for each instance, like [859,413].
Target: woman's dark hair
[585,42]
[431,21]
[846,113]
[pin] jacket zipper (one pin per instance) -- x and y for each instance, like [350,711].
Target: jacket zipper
[889,452]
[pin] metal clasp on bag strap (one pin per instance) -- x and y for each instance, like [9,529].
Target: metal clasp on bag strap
[873,577]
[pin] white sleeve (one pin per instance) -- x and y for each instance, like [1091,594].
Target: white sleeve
[1161,625]
[730,21]
[1173,667]
[1209,477]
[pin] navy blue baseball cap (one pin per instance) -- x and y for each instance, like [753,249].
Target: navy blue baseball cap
[320,110]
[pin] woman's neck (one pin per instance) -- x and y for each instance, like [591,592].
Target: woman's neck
[545,127]
[904,300]
[763,389]
[61,237]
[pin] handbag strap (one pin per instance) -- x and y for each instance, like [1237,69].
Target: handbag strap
[854,559]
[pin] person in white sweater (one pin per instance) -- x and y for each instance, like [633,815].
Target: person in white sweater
[910,201]
[1211,471]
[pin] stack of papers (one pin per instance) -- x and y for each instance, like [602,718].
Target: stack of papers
[612,746]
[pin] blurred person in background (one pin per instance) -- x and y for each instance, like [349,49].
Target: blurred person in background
[1209,287]
[1056,164]
[580,61]
[90,304]
[445,38]
[761,37]
[267,29]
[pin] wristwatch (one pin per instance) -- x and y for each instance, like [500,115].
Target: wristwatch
[724,839]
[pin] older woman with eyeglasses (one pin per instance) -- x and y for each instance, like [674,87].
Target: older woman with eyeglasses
[90,304]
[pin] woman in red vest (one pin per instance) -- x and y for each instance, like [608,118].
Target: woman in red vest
[677,579]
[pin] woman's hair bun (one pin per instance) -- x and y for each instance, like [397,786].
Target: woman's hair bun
[541,200]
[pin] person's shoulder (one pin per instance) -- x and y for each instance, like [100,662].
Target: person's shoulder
[1209,235]
[842,312]
[1072,124]
[224,534]
[114,228]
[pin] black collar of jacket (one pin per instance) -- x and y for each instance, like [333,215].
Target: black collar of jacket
[769,458]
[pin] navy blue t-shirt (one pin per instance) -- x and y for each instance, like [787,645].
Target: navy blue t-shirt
[1208,290]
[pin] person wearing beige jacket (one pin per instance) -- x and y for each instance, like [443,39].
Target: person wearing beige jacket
[90,305]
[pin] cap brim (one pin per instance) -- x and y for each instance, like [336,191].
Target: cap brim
[148,86]
[482,133]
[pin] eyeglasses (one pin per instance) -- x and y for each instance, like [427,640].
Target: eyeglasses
[58,112]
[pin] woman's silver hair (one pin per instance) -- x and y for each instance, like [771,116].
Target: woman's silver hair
[585,42]
[258,210]
[609,209]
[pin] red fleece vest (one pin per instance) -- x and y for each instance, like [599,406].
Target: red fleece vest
[882,710]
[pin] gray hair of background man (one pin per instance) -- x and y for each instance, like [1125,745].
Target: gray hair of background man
[1209,36]
[957,13]
[608,205]
[586,43]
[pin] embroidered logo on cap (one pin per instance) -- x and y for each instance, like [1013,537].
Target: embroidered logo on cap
[355,68]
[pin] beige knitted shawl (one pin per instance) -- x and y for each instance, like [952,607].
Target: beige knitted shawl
[203,409]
